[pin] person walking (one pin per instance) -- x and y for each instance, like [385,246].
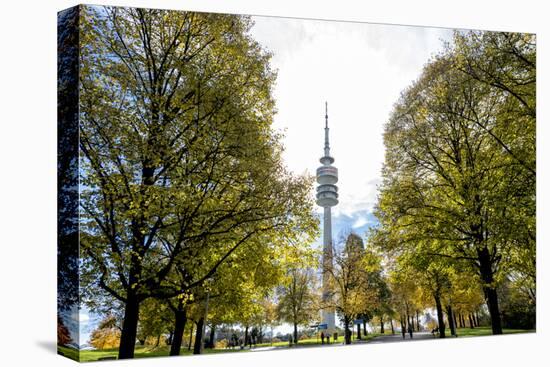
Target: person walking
[322,338]
[410,331]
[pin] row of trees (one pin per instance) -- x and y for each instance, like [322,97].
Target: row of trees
[360,292]
[187,211]
[186,206]
[457,203]
[403,295]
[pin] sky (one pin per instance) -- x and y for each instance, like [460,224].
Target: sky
[360,70]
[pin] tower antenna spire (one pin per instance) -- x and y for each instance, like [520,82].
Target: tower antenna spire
[326,114]
[327,146]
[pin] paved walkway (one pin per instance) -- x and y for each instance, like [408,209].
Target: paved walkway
[388,338]
[422,335]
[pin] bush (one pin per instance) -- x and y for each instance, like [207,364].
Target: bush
[221,344]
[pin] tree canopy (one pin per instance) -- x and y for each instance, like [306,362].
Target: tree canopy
[459,173]
[180,166]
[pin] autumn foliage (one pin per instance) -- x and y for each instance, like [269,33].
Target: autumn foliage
[63,335]
[107,335]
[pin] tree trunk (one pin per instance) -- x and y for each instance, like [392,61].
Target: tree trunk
[212,338]
[170,338]
[201,328]
[381,324]
[129,326]
[191,336]
[295,333]
[486,272]
[408,319]
[492,303]
[403,331]
[450,317]
[131,311]
[365,328]
[392,329]
[347,331]
[417,321]
[245,336]
[197,348]
[470,321]
[454,319]
[358,331]
[179,328]
[440,320]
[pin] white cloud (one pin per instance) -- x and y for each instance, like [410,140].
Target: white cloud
[360,69]
[359,222]
[84,317]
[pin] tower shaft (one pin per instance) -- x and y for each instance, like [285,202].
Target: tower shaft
[327,313]
[327,197]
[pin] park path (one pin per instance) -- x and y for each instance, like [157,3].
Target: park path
[389,338]
[422,335]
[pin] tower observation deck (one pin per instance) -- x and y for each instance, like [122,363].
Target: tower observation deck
[327,174]
[327,197]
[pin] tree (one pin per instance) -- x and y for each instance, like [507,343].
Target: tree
[67,171]
[298,298]
[518,305]
[466,294]
[154,321]
[180,166]
[63,334]
[107,334]
[454,182]
[238,290]
[351,284]
[506,62]
[269,317]
[405,289]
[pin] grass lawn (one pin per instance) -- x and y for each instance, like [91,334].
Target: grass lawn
[139,352]
[68,352]
[484,330]
[317,341]
[147,351]
[285,344]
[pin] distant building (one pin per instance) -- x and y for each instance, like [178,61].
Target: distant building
[354,244]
